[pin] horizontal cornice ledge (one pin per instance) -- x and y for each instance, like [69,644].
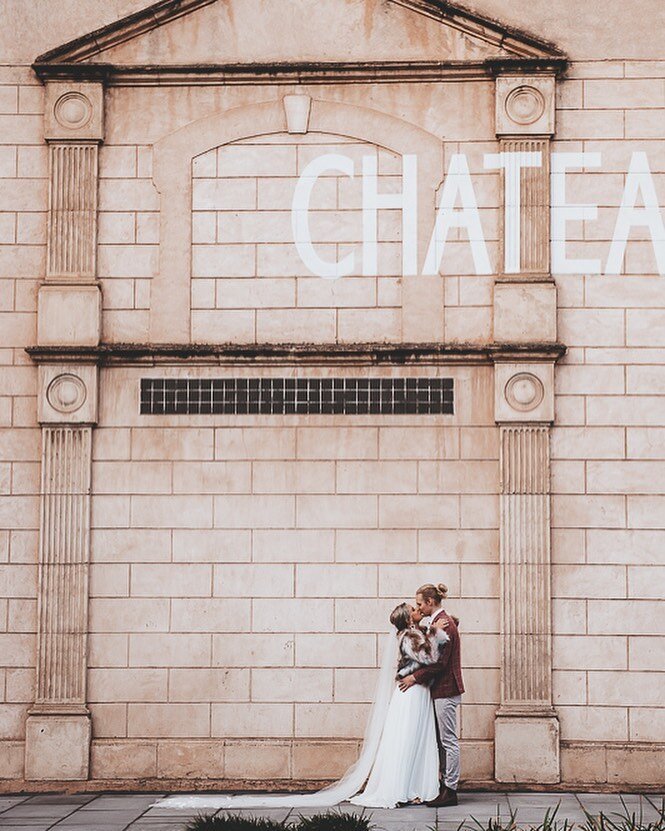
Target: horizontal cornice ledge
[349,72]
[366,354]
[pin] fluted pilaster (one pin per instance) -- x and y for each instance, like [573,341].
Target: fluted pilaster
[58,727]
[527,206]
[72,224]
[63,567]
[525,568]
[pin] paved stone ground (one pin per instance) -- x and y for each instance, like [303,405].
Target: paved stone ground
[131,812]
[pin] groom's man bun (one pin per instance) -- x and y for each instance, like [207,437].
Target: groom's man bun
[433,593]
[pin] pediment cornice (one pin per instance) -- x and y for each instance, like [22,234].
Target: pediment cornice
[509,49]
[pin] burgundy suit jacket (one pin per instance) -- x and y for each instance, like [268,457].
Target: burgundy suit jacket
[445,675]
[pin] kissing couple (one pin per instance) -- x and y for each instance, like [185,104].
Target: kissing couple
[410,752]
[418,758]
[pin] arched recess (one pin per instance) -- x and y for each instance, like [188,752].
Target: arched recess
[173,154]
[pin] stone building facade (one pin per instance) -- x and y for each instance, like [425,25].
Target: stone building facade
[219,470]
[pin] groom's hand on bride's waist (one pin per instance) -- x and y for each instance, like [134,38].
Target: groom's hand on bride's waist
[407,682]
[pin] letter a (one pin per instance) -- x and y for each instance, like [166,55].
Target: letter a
[638,181]
[457,181]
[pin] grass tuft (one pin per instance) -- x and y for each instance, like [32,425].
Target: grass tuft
[232,822]
[334,821]
[493,823]
[627,819]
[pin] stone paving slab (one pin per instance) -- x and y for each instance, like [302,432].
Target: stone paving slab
[132,812]
[123,802]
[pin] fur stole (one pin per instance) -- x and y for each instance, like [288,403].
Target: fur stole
[418,647]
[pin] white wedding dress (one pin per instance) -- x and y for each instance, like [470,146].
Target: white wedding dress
[407,762]
[399,754]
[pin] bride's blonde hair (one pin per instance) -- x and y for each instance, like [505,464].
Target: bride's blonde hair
[433,593]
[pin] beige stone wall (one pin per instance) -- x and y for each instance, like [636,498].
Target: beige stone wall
[23,193]
[242,573]
[609,644]
[249,282]
[128,237]
[207,536]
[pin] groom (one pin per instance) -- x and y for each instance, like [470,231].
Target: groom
[446,688]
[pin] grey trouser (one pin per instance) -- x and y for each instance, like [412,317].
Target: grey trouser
[446,718]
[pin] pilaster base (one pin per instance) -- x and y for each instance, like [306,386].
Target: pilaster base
[57,746]
[526,748]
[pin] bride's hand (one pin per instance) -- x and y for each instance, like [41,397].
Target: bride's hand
[407,682]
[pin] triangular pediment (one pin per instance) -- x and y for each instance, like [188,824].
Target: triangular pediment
[201,33]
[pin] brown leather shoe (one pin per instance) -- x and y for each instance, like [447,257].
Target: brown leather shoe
[444,799]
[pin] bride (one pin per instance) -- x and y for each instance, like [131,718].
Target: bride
[406,768]
[399,753]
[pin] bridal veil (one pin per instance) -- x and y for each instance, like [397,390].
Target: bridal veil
[346,787]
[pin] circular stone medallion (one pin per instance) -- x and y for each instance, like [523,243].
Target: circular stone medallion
[72,110]
[525,105]
[524,392]
[66,393]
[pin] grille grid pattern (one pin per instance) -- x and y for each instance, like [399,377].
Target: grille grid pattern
[297,396]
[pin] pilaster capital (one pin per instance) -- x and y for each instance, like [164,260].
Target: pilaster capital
[67,394]
[523,392]
[74,111]
[525,105]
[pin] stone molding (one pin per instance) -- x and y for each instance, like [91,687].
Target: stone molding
[172,157]
[311,73]
[298,353]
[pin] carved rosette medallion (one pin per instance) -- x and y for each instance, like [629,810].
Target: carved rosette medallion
[524,105]
[73,110]
[66,393]
[524,392]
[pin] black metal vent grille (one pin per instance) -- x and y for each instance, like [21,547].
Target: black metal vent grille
[303,396]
